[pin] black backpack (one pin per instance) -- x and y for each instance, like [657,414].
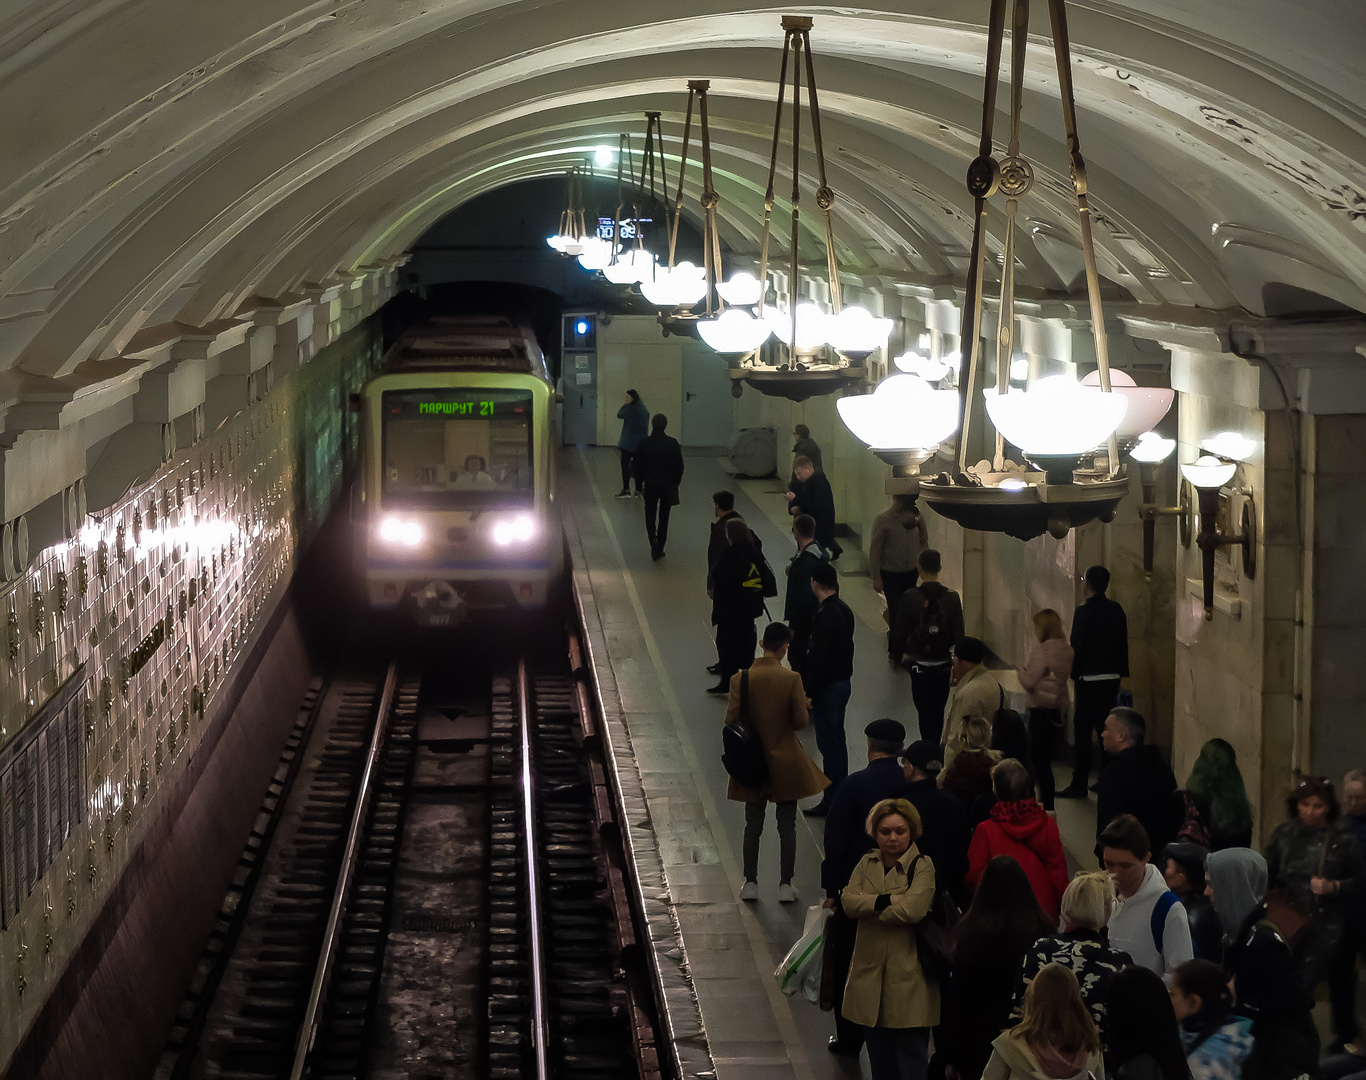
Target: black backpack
[932,634]
[742,750]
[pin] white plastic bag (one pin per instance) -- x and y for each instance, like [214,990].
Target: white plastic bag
[801,967]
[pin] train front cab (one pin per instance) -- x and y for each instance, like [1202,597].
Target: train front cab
[459,515]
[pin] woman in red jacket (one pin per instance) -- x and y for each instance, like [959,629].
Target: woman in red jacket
[1021,828]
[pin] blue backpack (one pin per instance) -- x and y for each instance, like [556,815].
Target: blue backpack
[1158,924]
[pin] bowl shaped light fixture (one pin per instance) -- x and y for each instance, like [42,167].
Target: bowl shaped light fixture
[1209,472]
[596,253]
[679,286]
[855,332]
[903,413]
[1147,404]
[734,332]
[1056,416]
[630,267]
[1152,449]
[1231,445]
[742,290]
[913,362]
[813,326]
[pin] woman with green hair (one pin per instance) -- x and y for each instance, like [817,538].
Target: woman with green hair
[1215,794]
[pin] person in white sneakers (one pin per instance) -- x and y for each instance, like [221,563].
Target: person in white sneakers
[1149,922]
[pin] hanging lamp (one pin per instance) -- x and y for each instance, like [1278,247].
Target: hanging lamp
[572,234]
[1054,423]
[804,332]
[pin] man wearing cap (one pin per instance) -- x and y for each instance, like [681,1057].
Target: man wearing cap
[974,692]
[826,671]
[948,832]
[846,842]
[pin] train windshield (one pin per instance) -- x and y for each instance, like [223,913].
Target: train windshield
[457,448]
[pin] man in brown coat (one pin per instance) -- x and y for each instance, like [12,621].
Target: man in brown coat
[776,705]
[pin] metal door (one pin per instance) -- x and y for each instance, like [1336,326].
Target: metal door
[579,384]
[708,407]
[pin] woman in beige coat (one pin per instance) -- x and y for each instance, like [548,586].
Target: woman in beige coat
[777,708]
[888,992]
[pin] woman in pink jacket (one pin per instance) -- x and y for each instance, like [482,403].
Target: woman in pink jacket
[1044,679]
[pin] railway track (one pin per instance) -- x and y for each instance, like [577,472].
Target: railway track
[297,977]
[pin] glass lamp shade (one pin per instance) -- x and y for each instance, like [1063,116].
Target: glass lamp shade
[1147,404]
[564,244]
[1209,472]
[1152,449]
[631,267]
[813,326]
[916,363]
[596,253]
[1057,416]
[741,290]
[856,332]
[734,332]
[1230,444]
[903,413]
[680,287]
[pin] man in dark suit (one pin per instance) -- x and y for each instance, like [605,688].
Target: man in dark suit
[659,471]
[826,672]
[846,841]
[723,509]
[1100,647]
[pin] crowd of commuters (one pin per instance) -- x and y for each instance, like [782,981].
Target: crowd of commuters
[1186,954]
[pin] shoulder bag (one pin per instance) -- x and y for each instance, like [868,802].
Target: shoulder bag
[934,934]
[1296,927]
[742,750]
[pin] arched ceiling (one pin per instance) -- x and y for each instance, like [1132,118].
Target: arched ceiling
[167,160]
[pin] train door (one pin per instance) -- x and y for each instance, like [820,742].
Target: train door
[579,378]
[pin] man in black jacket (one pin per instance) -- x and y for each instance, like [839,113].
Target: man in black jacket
[659,471]
[846,842]
[1137,780]
[929,623]
[799,606]
[1100,647]
[811,494]
[723,509]
[826,673]
[947,831]
[737,600]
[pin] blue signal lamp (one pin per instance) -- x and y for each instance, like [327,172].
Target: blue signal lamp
[581,327]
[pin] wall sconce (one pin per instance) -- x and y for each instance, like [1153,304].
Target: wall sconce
[1207,475]
[1150,451]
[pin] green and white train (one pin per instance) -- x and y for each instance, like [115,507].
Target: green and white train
[457,511]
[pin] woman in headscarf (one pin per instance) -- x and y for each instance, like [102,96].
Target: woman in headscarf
[1266,984]
[1216,792]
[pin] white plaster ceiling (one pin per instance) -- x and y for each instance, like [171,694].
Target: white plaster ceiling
[169,159]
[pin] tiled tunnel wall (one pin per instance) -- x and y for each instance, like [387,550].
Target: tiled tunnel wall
[116,644]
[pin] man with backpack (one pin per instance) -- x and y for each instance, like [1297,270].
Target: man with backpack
[740,582]
[1149,922]
[827,672]
[929,623]
[770,699]
[800,605]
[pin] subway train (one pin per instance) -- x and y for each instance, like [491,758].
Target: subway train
[457,514]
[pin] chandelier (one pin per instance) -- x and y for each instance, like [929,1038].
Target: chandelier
[573,233]
[1057,423]
[804,331]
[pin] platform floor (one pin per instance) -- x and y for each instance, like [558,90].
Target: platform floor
[656,635]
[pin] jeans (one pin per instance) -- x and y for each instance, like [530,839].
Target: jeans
[628,459]
[842,931]
[898,1053]
[894,586]
[657,517]
[827,715]
[735,643]
[787,839]
[930,692]
[1045,725]
[1093,705]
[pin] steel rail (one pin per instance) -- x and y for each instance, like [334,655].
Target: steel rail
[540,1025]
[350,854]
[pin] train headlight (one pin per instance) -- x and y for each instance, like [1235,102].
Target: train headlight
[396,531]
[516,530]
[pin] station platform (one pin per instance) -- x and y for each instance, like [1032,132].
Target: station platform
[650,641]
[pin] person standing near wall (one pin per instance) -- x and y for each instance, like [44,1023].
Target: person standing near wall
[1100,644]
[635,426]
[929,623]
[800,603]
[1044,679]
[659,471]
[899,536]
[826,673]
